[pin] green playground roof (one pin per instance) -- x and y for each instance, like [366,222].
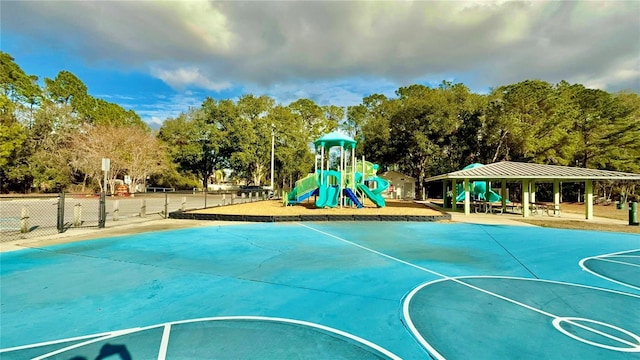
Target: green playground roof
[334,138]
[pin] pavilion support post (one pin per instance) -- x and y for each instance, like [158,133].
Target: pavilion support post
[444,193]
[487,190]
[467,197]
[556,197]
[525,198]
[588,199]
[532,194]
[503,195]
[454,194]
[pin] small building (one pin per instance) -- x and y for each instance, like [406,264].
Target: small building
[401,186]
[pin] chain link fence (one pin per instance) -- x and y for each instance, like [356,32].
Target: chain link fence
[23,217]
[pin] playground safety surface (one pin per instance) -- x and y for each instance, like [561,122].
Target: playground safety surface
[374,290]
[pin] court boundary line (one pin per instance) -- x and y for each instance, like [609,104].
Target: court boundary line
[456,280]
[117,333]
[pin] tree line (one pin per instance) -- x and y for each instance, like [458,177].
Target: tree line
[53,137]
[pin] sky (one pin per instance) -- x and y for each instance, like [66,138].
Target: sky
[160,58]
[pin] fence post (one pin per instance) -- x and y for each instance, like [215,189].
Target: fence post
[233,196]
[102,211]
[61,212]
[24,220]
[205,198]
[224,199]
[166,205]
[116,210]
[77,215]
[184,203]
[143,208]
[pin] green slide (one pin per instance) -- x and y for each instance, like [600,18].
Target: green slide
[332,196]
[328,192]
[376,198]
[328,196]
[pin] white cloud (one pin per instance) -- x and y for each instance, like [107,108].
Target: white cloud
[186,77]
[156,108]
[211,45]
[624,76]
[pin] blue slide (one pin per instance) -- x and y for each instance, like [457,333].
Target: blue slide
[353,197]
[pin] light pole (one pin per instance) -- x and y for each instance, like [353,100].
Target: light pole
[273,139]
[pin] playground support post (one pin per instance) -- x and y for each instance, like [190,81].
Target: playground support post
[273,142]
[321,163]
[353,166]
[342,179]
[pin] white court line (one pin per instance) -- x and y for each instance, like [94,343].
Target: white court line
[636,347]
[164,343]
[53,342]
[618,262]
[603,257]
[616,253]
[74,346]
[168,325]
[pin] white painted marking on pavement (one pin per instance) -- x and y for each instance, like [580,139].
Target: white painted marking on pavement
[456,280]
[164,343]
[108,335]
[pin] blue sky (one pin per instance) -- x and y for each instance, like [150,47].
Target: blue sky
[161,57]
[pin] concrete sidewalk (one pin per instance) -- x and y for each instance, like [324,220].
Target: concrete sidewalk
[515,219]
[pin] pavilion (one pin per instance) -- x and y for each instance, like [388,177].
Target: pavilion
[528,175]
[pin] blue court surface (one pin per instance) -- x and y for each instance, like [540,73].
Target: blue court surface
[330,290]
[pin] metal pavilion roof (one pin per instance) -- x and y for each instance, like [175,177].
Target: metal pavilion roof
[517,170]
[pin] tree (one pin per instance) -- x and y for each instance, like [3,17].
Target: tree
[17,87]
[187,142]
[67,89]
[356,118]
[293,157]
[251,137]
[528,121]
[604,125]
[375,141]
[315,119]
[422,127]
[131,150]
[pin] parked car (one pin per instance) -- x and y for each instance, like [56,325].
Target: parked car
[246,189]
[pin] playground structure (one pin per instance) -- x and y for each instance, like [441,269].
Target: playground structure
[342,185]
[478,189]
